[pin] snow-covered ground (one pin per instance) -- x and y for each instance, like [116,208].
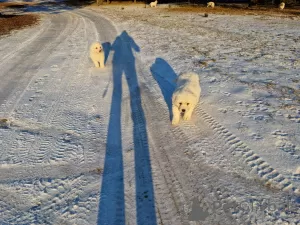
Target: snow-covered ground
[90,146]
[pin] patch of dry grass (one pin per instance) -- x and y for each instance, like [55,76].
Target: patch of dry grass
[16,22]
[11,22]
[223,9]
[233,10]
[15,4]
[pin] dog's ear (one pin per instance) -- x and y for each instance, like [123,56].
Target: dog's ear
[173,99]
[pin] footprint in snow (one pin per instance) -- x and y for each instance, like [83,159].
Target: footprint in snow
[256,136]
[54,68]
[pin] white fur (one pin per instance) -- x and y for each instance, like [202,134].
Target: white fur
[185,97]
[153,4]
[97,54]
[281,5]
[211,4]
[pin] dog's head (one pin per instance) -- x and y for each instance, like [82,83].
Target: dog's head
[96,47]
[183,104]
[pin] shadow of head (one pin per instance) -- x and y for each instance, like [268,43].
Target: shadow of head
[127,41]
[124,47]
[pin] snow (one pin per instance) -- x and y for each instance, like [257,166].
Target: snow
[88,146]
[251,72]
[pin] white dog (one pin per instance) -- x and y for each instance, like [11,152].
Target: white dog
[97,54]
[211,4]
[281,5]
[185,97]
[153,4]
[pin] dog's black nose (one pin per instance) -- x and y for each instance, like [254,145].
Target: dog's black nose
[183,110]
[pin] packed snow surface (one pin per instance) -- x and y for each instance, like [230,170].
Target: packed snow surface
[82,145]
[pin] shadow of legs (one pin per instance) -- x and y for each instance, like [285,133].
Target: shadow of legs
[145,199]
[112,203]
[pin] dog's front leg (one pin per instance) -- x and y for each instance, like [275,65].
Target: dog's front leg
[96,63]
[101,64]
[188,114]
[176,115]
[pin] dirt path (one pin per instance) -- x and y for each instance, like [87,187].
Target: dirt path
[89,146]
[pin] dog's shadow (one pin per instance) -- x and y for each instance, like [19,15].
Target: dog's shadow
[165,76]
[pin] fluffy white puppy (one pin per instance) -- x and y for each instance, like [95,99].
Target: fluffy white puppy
[211,4]
[186,96]
[97,54]
[153,4]
[281,5]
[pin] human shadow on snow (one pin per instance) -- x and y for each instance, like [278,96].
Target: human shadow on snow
[112,201]
[106,47]
[165,77]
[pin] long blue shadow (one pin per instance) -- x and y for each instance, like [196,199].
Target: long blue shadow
[166,79]
[106,47]
[112,205]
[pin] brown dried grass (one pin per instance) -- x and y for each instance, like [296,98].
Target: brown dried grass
[15,4]
[234,10]
[16,22]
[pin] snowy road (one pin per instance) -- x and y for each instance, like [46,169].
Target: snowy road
[92,146]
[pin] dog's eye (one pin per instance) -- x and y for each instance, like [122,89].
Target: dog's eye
[180,103]
[187,103]
[96,48]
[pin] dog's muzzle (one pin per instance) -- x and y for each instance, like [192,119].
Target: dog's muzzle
[182,112]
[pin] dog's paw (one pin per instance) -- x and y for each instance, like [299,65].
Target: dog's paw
[175,122]
[186,117]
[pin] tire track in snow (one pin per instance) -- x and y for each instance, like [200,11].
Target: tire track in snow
[176,191]
[92,125]
[30,155]
[126,125]
[60,117]
[48,151]
[183,188]
[46,85]
[128,146]
[54,116]
[11,152]
[174,194]
[237,148]
[15,81]
[19,45]
[11,173]
[244,154]
[71,123]
[184,162]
